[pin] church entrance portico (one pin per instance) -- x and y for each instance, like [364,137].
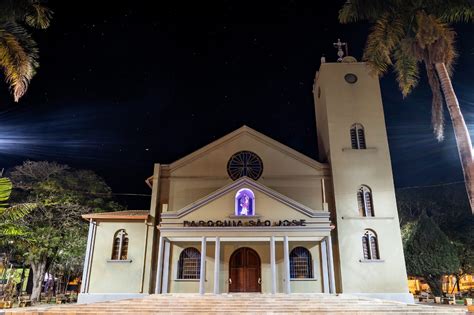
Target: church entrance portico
[220,264]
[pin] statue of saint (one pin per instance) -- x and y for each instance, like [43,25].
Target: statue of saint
[244,204]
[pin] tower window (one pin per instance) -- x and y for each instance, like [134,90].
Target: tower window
[301,266]
[370,246]
[189,264]
[358,137]
[364,199]
[120,246]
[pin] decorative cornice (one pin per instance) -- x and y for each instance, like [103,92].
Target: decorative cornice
[118,215]
[325,228]
[247,183]
[367,218]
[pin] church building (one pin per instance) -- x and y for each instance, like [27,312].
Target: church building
[246,213]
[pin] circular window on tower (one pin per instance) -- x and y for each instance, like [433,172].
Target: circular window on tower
[245,163]
[350,78]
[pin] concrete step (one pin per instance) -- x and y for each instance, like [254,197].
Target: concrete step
[242,304]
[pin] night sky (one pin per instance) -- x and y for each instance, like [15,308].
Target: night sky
[122,86]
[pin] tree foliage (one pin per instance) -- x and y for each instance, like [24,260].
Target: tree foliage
[52,232]
[18,50]
[448,208]
[406,33]
[430,254]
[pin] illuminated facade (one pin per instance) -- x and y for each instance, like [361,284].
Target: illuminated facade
[249,214]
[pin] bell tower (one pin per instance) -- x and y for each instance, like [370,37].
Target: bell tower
[352,138]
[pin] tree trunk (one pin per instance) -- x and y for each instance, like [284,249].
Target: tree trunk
[458,280]
[39,269]
[461,133]
[67,282]
[436,284]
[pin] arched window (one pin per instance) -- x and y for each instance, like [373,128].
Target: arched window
[357,137]
[245,202]
[301,266]
[364,199]
[120,247]
[189,264]
[370,246]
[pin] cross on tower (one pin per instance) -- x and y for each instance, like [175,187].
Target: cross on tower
[340,52]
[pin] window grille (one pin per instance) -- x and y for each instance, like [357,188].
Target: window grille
[364,198]
[300,264]
[120,246]
[370,246]
[365,246]
[358,137]
[189,264]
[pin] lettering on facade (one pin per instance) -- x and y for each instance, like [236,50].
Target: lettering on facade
[236,223]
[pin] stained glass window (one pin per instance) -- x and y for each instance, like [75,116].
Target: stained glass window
[245,163]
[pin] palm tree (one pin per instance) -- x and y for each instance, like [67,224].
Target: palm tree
[18,50]
[408,33]
[9,215]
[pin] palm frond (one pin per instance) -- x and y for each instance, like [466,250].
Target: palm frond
[16,212]
[11,213]
[18,57]
[406,67]
[361,10]
[437,114]
[454,11]
[436,39]
[9,230]
[38,16]
[5,191]
[385,35]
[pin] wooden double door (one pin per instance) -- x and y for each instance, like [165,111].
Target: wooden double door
[245,271]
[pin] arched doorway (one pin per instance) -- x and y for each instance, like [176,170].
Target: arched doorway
[245,271]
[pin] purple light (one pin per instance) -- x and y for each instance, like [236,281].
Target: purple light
[245,203]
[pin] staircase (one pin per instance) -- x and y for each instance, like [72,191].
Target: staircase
[242,303]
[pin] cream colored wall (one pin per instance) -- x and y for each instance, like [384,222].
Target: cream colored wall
[281,172]
[227,248]
[117,277]
[341,105]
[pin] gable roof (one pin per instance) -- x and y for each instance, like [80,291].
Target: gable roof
[246,182]
[257,136]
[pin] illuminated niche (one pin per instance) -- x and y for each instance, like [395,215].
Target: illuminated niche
[245,202]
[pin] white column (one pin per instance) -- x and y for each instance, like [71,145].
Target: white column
[166,267]
[332,280]
[324,265]
[217,263]
[202,279]
[286,253]
[159,265]
[87,259]
[273,263]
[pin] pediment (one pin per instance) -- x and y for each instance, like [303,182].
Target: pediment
[277,157]
[268,203]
